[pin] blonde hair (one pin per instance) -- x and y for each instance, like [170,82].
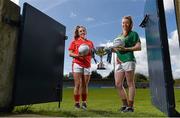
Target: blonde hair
[76,33]
[130,20]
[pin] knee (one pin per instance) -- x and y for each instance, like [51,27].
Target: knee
[119,85]
[84,86]
[77,86]
[131,84]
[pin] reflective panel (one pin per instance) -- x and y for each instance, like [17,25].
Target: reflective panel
[161,81]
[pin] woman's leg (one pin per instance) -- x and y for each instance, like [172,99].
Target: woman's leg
[119,80]
[84,89]
[77,77]
[131,86]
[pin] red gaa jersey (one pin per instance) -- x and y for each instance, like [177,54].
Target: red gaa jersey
[86,61]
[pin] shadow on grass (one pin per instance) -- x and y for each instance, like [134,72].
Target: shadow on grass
[53,112]
[80,113]
[104,113]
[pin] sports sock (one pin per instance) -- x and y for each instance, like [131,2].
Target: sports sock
[131,103]
[84,97]
[77,98]
[124,101]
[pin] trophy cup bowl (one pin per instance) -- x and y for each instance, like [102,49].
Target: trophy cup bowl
[103,50]
[100,52]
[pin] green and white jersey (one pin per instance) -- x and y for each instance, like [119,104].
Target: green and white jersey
[130,40]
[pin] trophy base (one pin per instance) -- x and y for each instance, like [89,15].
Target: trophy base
[101,68]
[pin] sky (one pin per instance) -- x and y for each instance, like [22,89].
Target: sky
[102,18]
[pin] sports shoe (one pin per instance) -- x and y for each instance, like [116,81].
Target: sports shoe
[84,106]
[128,109]
[122,108]
[77,105]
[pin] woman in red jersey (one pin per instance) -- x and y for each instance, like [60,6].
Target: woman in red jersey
[80,66]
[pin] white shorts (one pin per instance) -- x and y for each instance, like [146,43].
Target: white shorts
[127,66]
[78,69]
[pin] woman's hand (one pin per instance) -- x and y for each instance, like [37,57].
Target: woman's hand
[71,54]
[119,49]
[118,61]
[80,56]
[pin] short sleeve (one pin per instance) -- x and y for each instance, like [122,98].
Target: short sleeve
[136,38]
[72,46]
[92,44]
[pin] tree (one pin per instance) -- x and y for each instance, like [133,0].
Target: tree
[95,75]
[111,75]
[140,78]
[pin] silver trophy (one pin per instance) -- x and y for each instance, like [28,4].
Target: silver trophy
[100,52]
[103,50]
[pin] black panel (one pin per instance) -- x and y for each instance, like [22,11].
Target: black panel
[39,68]
[160,74]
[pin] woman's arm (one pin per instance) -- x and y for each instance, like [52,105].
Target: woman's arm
[137,47]
[71,54]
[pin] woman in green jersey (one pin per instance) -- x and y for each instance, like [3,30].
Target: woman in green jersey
[126,63]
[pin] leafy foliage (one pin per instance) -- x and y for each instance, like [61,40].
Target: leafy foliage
[177,82]
[140,78]
[95,75]
[111,75]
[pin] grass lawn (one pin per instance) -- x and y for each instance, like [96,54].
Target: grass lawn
[102,102]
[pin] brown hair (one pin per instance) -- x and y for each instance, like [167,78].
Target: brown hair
[130,20]
[76,33]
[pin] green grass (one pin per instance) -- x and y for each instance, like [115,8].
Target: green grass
[177,98]
[101,103]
